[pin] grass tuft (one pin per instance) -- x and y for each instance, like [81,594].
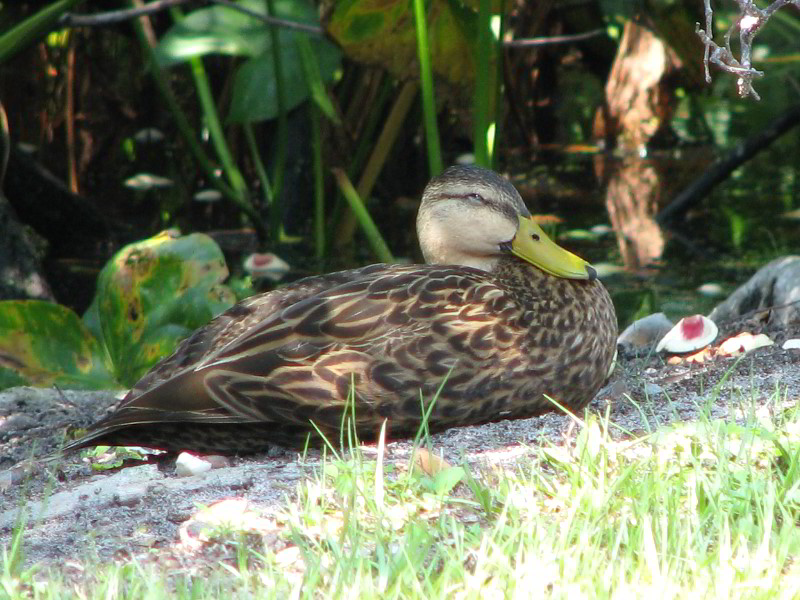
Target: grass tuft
[700,509]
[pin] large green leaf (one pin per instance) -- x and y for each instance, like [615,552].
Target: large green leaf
[152,294]
[222,30]
[33,28]
[381,32]
[255,96]
[43,344]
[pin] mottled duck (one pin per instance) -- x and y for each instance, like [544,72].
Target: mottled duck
[499,317]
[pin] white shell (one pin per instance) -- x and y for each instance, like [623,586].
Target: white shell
[148,135]
[188,464]
[645,332]
[267,265]
[793,344]
[744,343]
[712,290]
[690,334]
[147,181]
[208,195]
[602,229]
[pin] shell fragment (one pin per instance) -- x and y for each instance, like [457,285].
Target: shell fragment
[690,334]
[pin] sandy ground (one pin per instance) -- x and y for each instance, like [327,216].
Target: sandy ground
[74,515]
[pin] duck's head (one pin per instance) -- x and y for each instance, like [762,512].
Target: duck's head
[474,217]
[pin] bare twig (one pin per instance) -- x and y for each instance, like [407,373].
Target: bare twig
[720,171]
[555,39]
[117,16]
[750,22]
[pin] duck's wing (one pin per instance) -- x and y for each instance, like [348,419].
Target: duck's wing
[292,356]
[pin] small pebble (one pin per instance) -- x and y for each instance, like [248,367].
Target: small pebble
[645,332]
[651,389]
[207,195]
[129,496]
[793,344]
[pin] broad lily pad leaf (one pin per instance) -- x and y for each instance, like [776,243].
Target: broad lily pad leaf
[255,95]
[42,344]
[381,32]
[222,30]
[152,294]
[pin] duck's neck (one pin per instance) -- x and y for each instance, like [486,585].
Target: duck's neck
[532,286]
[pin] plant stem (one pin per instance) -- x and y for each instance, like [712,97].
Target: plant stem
[211,116]
[188,133]
[374,237]
[258,164]
[319,185]
[483,93]
[428,97]
[275,213]
[386,139]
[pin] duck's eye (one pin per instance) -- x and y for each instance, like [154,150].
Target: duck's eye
[473,197]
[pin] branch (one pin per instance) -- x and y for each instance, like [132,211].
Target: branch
[749,24]
[118,16]
[555,39]
[719,171]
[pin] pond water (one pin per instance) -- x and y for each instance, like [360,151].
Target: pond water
[744,223]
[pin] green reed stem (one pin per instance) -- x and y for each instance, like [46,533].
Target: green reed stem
[376,241]
[319,184]
[280,152]
[391,129]
[428,96]
[215,131]
[188,134]
[483,91]
[258,163]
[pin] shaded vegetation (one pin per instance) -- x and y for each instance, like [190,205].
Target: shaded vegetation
[234,120]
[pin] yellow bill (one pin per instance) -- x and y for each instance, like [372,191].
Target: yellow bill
[533,245]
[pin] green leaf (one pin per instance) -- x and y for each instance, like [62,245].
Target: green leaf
[44,344]
[382,33]
[33,28]
[255,96]
[221,30]
[152,294]
[446,479]
[314,79]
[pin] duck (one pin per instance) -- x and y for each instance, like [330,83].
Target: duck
[499,323]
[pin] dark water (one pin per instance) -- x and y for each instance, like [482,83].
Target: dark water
[724,239]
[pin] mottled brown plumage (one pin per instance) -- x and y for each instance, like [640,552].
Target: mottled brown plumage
[490,332]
